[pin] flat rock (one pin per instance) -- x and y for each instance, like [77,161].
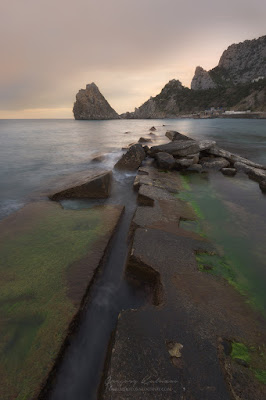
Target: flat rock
[148,194]
[229,171]
[144,140]
[206,144]
[174,135]
[165,161]
[86,184]
[132,159]
[178,148]
[214,163]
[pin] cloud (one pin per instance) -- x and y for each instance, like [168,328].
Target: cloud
[52,48]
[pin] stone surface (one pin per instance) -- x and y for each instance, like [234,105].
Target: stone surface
[206,144]
[153,129]
[195,168]
[214,163]
[184,162]
[84,185]
[178,148]
[228,171]
[132,159]
[256,174]
[90,105]
[165,160]
[49,257]
[174,135]
[216,151]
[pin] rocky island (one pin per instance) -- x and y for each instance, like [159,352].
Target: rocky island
[91,105]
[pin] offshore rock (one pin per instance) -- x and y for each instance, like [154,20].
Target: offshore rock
[91,105]
[132,159]
[174,135]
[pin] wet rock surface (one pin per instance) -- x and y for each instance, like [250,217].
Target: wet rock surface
[171,349]
[174,135]
[178,148]
[132,159]
[165,160]
[85,185]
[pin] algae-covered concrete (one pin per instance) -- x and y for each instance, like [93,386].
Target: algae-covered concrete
[185,343]
[49,257]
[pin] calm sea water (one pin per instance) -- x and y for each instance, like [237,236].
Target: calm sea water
[33,153]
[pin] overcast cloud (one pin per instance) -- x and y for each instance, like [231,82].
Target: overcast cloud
[130,49]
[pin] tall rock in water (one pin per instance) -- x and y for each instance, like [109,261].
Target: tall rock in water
[91,105]
[241,63]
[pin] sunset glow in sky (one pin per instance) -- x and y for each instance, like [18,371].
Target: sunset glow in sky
[52,48]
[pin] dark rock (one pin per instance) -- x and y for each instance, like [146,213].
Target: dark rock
[228,171]
[153,128]
[256,174]
[214,163]
[195,168]
[263,186]
[132,159]
[144,140]
[91,105]
[174,135]
[98,158]
[184,162]
[178,148]
[146,149]
[165,160]
[90,185]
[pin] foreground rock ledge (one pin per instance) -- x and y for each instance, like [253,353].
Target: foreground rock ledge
[48,260]
[87,184]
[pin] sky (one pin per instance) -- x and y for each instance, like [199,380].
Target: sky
[52,48]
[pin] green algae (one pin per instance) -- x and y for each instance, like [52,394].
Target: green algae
[240,351]
[252,356]
[35,308]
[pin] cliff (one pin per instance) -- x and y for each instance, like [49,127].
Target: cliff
[91,105]
[240,64]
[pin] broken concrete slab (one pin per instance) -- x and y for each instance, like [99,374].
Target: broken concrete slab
[132,159]
[86,184]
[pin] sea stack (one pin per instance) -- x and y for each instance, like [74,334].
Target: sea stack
[91,105]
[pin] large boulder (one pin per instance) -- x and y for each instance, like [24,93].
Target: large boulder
[90,105]
[89,185]
[132,159]
[174,135]
[165,160]
[206,144]
[177,148]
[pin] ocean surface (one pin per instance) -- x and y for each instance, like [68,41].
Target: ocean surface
[35,154]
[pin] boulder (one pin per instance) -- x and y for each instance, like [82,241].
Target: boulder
[184,162]
[132,159]
[206,144]
[228,171]
[195,168]
[153,129]
[89,185]
[144,140]
[214,163]
[98,158]
[165,160]
[178,148]
[174,135]
[263,186]
[195,157]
